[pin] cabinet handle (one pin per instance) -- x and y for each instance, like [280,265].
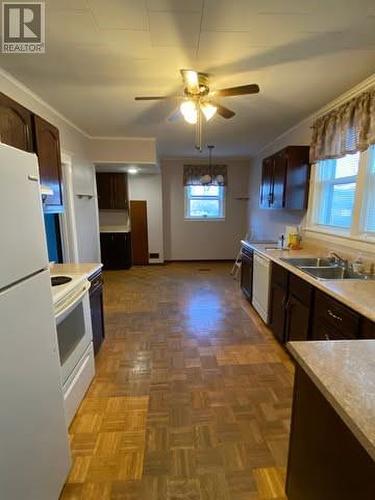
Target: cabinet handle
[334,316]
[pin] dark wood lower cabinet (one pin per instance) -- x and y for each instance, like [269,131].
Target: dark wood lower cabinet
[298,309]
[97,311]
[333,320]
[278,299]
[326,461]
[246,283]
[115,250]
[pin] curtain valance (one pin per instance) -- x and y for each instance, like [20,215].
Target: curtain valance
[205,175]
[347,129]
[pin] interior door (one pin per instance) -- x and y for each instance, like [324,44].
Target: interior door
[23,247]
[139,232]
[34,451]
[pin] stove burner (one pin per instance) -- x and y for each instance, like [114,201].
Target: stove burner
[60,280]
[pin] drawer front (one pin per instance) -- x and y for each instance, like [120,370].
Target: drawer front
[279,276]
[300,289]
[336,315]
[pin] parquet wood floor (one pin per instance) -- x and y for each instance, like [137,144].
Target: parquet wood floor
[192,395]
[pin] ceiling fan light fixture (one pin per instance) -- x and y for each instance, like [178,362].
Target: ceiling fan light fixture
[189,111]
[209,110]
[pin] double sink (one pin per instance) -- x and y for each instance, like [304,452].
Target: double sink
[322,268]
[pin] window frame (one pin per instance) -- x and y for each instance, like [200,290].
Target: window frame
[222,204]
[356,231]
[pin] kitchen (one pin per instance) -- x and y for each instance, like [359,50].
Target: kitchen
[148,369]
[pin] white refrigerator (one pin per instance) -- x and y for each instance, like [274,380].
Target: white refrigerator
[34,447]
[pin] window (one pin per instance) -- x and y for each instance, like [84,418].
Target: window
[343,196]
[336,186]
[368,210]
[204,202]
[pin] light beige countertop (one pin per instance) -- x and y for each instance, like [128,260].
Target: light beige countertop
[87,269]
[344,372]
[357,294]
[114,229]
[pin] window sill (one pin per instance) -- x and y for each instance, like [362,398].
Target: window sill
[343,234]
[204,219]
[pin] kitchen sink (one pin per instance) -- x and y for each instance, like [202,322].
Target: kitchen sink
[308,261]
[335,272]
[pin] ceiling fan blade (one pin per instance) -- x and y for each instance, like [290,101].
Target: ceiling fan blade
[153,98]
[223,111]
[191,80]
[240,90]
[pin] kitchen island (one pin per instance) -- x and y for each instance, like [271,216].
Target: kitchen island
[332,438]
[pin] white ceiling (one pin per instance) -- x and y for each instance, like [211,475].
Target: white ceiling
[100,55]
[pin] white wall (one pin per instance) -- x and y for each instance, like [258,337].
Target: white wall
[149,188]
[196,240]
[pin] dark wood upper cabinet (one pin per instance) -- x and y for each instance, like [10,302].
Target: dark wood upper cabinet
[285,179]
[266,183]
[15,124]
[47,146]
[112,190]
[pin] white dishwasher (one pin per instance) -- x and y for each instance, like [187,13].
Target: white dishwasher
[261,285]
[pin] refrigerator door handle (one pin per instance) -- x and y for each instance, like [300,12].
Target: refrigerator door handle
[34,178]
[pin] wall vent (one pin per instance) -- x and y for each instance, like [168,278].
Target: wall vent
[154,255]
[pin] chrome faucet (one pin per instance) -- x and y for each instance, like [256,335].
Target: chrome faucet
[339,260]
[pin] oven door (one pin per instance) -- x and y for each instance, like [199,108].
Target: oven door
[74,331]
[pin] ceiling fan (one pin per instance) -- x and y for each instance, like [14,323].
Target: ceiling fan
[198,100]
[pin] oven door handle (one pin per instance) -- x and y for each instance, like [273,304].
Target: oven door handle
[77,298]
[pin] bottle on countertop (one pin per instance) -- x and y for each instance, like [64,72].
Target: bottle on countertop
[358,264]
[280,243]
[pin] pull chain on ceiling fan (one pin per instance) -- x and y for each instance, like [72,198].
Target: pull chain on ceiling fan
[199,100]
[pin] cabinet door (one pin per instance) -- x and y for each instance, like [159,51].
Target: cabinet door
[103,186]
[48,151]
[119,191]
[115,250]
[247,275]
[112,191]
[297,178]
[297,320]
[266,183]
[279,176]
[15,124]
[277,311]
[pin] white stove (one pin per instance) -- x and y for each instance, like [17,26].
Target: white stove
[74,334]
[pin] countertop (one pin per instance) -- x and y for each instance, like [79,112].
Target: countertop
[344,371]
[356,294]
[114,229]
[86,269]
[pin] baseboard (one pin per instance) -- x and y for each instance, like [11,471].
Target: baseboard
[200,260]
